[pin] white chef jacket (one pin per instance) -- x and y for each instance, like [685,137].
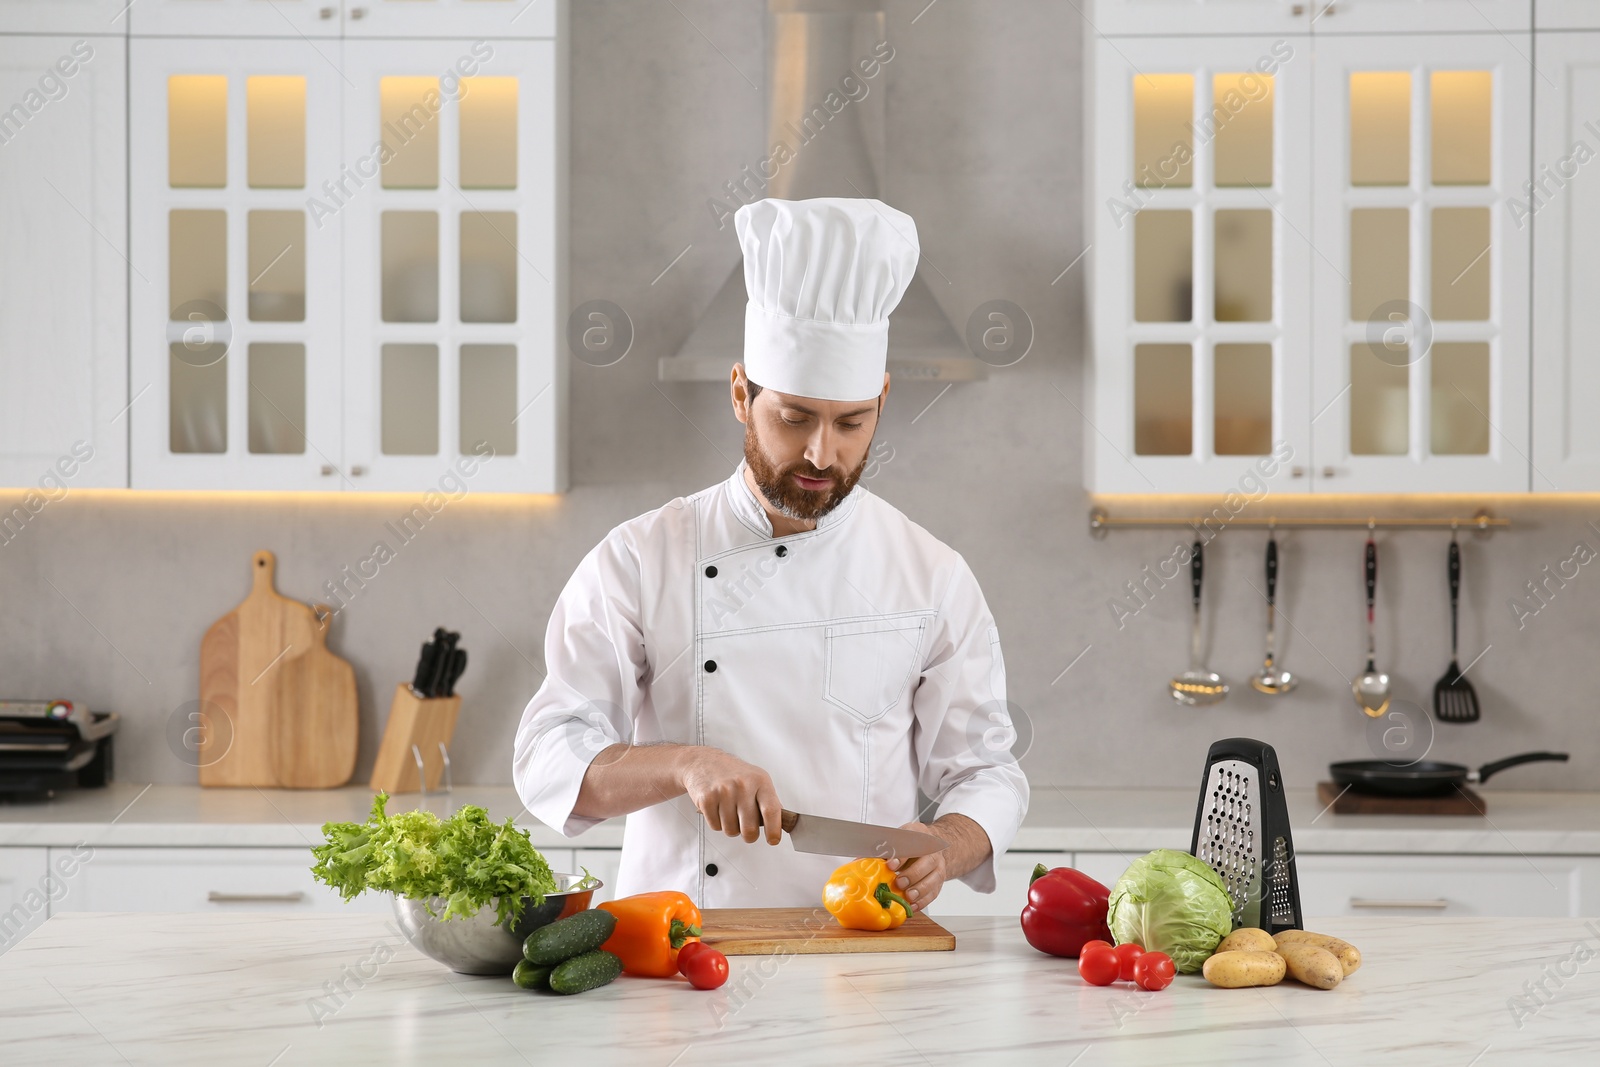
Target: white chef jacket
[854,663]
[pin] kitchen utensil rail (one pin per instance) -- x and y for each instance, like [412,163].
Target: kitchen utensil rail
[1101,521]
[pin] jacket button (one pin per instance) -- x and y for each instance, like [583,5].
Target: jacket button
[711,666]
[783,550]
[711,572]
[711,869]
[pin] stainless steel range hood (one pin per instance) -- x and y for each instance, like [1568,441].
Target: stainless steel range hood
[830,119]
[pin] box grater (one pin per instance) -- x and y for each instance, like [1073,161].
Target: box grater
[1241,828]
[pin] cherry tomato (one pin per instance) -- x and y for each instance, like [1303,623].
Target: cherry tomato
[1153,971]
[705,969]
[1098,964]
[1127,953]
[688,952]
[1086,944]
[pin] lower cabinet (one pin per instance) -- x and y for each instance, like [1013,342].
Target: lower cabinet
[1011,875]
[25,889]
[1511,886]
[199,879]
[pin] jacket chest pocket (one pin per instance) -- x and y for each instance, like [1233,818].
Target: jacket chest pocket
[870,664]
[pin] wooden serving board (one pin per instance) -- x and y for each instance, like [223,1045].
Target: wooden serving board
[316,718]
[1462,801]
[762,931]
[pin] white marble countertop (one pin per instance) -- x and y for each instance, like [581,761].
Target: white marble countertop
[246,989]
[1070,820]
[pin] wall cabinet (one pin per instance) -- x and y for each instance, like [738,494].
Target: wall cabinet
[1567,15]
[63,274]
[1164,17]
[1562,210]
[350,272]
[332,19]
[1306,268]
[97,17]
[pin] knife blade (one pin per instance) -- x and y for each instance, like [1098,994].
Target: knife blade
[841,837]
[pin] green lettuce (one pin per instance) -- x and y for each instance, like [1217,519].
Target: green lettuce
[465,859]
[1171,902]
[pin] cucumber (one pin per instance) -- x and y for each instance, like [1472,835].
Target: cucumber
[569,937]
[531,975]
[588,971]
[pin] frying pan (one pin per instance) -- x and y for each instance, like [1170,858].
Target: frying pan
[1425,777]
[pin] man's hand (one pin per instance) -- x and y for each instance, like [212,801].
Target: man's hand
[735,797]
[920,880]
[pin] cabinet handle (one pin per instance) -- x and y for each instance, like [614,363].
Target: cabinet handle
[1329,472]
[1297,472]
[327,470]
[1298,9]
[358,12]
[1438,904]
[325,13]
[215,897]
[358,471]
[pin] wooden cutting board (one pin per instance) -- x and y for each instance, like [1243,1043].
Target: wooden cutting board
[1461,801]
[315,717]
[762,931]
[238,693]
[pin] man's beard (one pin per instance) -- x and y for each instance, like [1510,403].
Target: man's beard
[786,497]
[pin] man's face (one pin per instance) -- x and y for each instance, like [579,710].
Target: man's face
[805,454]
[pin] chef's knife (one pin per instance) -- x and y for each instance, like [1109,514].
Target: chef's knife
[840,837]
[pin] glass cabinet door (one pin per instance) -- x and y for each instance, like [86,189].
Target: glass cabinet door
[235,353]
[1200,366]
[451,265]
[1421,274]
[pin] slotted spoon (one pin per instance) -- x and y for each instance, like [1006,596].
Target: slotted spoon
[1454,699]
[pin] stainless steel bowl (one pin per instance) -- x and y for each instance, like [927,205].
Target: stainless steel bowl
[480,945]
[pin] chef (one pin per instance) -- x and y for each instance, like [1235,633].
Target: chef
[785,639]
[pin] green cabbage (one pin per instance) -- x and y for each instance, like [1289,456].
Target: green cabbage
[1171,902]
[466,859]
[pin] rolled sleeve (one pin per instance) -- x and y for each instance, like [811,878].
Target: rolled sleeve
[964,729]
[594,653]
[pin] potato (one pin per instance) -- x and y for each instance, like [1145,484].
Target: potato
[1248,939]
[1316,967]
[1348,955]
[1236,969]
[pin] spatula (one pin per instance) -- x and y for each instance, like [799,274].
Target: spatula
[1454,699]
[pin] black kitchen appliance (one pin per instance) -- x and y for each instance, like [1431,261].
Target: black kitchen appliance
[46,745]
[1241,828]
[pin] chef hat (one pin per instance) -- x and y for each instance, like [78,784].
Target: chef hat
[822,276]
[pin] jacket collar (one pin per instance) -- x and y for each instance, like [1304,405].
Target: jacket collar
[754,515]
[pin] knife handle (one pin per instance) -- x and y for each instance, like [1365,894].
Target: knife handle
[790,820]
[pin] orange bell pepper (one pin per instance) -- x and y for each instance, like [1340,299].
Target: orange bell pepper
[651,928]
[860,897]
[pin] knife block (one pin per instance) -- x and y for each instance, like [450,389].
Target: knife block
[425,722]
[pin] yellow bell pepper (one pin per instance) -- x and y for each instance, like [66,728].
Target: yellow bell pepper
[860,897]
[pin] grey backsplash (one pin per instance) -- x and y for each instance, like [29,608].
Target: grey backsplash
[106,596]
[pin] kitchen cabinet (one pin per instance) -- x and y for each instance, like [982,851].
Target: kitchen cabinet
[1163,17]
[1420,356]
[63,288]
[350,272]
[1307,274]
[238,18]
[1423,886]
[1012,874]
[1566,15]
[204,880]
[493,19]
[1422,16]
[1562,211]
[98,17]
[1200,295]
[24,893]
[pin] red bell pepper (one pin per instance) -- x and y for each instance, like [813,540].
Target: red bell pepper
[1066,908]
